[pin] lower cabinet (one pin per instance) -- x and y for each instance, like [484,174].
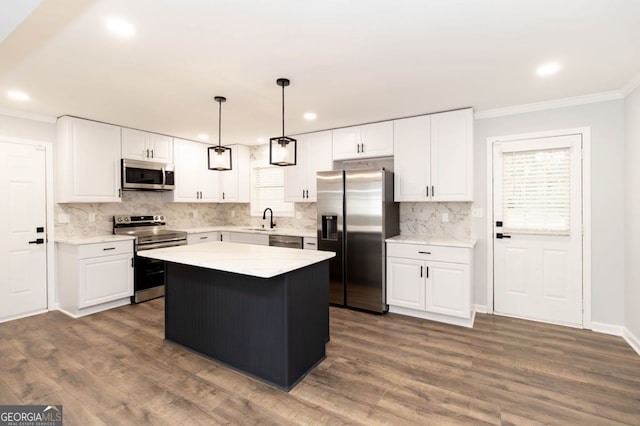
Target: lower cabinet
[203,237]
[94,277]
[431,282]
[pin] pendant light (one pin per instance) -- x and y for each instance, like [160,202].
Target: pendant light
[282,149]
[219,156]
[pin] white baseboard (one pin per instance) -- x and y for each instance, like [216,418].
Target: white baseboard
[601,327]
[632,340]
[481,309]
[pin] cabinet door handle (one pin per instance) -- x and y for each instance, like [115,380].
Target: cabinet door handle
[203,238]
[223,195]
[421,272]
[108,248]
[119,192]
[147,153]
[363,147]
[433,191]
[427,190]
[358,148]
[151,153]
[424,252]
[427,272]
[132,264]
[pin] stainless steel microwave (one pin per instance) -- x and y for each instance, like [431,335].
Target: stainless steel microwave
[147,175]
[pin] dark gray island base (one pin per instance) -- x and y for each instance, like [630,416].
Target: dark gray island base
[274,329]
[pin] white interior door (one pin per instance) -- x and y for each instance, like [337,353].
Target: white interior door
[23,255]
[537,195]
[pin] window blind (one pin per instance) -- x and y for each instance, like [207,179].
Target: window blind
[537,191]
[268,191]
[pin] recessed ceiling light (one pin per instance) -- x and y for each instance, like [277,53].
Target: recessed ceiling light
[261,140]
[203,137]
[310,116]
[548,69]
[17,95]
[120,27]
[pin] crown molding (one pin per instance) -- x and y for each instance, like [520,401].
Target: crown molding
[557,103]
[28,115]
[631,86]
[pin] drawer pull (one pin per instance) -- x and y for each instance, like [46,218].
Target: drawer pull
[424,252]
[108,248]
[203,238]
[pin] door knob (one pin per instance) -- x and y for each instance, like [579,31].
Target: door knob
[501,236]
[37,241]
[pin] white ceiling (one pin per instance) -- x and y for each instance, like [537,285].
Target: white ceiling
[350,61]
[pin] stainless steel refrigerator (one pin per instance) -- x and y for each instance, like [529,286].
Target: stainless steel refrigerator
[356,213]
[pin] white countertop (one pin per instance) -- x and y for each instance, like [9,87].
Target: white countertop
[94,239]
[246,259]
[251,230]
[425,239]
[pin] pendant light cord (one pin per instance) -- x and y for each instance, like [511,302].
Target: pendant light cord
[283,110]
[219,122]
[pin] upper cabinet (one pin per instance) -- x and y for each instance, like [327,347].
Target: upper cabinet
[140,145]
[365,141]
[433,157]
[195,183]
[313,155]
[87,161]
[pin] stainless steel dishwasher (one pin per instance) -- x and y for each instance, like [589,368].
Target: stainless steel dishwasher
[285,241]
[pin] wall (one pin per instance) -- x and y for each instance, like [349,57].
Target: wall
[606,120]
[23,128]
[632,214]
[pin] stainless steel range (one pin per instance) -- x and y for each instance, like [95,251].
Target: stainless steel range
[150,232]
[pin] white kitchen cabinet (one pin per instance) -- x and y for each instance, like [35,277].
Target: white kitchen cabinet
[433,157]
[235,184]
[146,146]
[365,141]
[431,282]
[195,183]
[249,238]
[203,237]
[87,165]
[313,155]
[94,277]
[310,243]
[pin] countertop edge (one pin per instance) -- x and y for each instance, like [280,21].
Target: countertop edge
[423,239]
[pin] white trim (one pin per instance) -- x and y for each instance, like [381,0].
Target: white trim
[448,319]
[482,309]
[557,103]
[604,328]
[586,212]
[631,86]
[51,261]
[97,308]
[28,115]
[632,340]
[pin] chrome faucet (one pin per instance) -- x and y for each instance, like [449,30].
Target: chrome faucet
[264,216]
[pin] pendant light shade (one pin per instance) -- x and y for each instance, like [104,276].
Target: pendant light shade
[219,156]
[282,149]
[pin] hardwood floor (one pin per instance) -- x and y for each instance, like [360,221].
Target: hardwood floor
[115,368]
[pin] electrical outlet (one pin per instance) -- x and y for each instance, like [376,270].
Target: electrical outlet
[445,217]
[63,218]
[92,217]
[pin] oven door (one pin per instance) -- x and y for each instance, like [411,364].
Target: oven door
[148,279]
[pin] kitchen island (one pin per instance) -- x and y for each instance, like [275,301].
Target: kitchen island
[260,310]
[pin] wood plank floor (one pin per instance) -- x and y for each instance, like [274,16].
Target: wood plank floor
[115,368]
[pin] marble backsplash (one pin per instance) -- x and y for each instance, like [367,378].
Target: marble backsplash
[87,219]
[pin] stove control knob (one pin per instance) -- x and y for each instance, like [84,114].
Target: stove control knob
[161,217]
[119,219]
[126,219]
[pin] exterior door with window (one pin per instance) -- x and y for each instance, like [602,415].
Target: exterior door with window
[538,229]
[23,254]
